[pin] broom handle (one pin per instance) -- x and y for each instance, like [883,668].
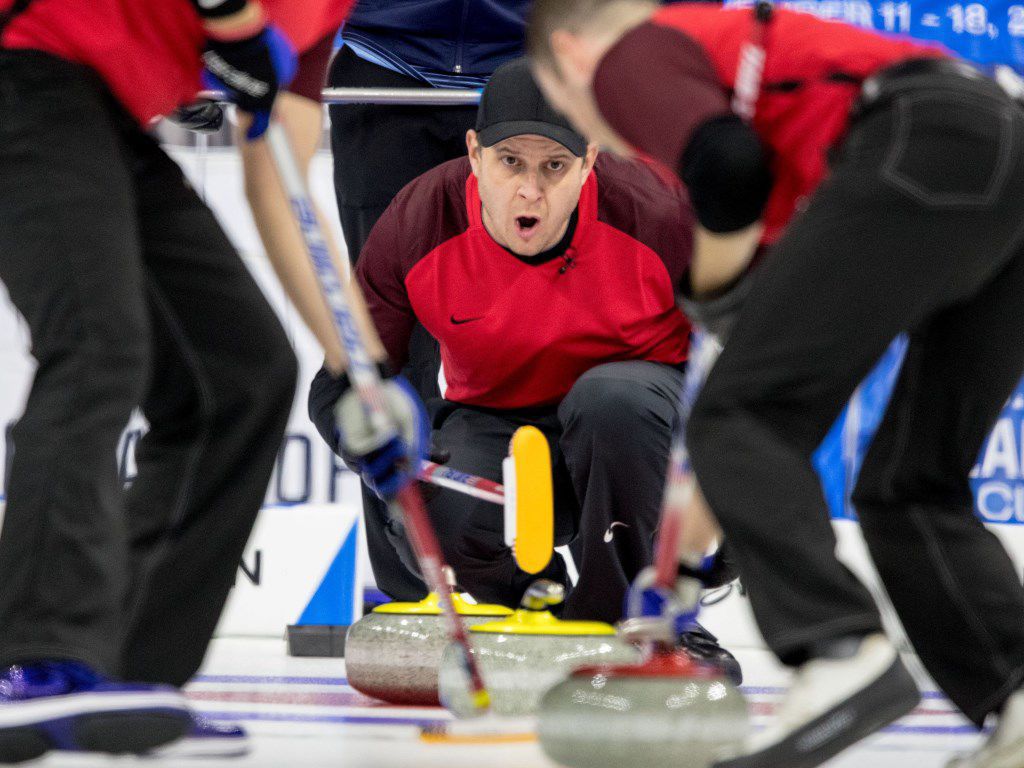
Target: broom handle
[680,483]
[365,379]
[471,485]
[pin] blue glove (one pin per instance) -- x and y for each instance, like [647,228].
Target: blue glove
[385,466]
[251,71]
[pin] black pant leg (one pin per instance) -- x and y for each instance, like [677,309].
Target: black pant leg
[919,212]
[951,580]
[380,148]
[368,173]
[221,391]
[70,260]
[617,425]
[384,542]
[356,224]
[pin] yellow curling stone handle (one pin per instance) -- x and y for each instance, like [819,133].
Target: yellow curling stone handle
[533,504]
[431,606]
[526,622]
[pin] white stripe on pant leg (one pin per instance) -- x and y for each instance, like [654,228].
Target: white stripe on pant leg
[570,564]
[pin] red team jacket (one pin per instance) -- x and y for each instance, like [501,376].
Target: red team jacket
[148,51]
[666,77]
[515,334]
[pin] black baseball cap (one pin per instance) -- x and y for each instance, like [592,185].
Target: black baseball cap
[513,105]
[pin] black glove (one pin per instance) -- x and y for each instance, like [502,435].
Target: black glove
[251,71]
[386,465]
[437,454]
[716,571]
[202,116]
[324,393]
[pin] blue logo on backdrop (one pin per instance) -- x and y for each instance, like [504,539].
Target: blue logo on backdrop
[997,479]
[333,602]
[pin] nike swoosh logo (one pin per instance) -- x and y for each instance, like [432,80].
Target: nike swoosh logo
[610,533]
[465,320]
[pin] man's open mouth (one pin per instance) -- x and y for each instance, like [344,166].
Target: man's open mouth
[526,226]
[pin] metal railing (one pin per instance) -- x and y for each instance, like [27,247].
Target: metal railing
[426,97]
[202,143]
[437,97]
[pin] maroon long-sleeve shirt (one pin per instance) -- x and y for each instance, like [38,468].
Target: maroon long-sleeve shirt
[665,78]
[515,333]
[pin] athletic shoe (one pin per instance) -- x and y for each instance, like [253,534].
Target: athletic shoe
[703,646]
[1005,747]
[66,705]
[207,738]
[832,704]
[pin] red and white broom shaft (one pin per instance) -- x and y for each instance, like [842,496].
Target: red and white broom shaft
[666,555]
[680,483]
[453,479]
[430,558]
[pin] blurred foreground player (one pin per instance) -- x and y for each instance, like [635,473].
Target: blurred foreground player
[548,276]
[133,295]
[916,227]
[310,26]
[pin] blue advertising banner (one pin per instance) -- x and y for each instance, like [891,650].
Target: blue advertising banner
[997,478]
[986,33]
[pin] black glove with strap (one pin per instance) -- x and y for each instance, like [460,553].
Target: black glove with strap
[249,60]
[202,116]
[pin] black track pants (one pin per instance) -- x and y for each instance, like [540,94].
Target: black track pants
[918,228]
[134,296]
[609,441]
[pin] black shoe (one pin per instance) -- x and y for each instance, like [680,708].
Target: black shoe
[66,705]
[833,704]
[703,646]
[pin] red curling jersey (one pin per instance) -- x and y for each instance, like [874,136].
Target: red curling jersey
[665,78]
[148,51]
[515,334]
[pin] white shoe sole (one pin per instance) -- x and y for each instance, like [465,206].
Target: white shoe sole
[1006,756]
[189,747]
[877,704]
[122,723]
[49,708]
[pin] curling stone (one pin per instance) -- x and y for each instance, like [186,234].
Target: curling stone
[665,711]
[393,653]
[523,656]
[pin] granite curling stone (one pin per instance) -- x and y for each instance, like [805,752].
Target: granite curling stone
[393,653]
[523,656]
[658,713]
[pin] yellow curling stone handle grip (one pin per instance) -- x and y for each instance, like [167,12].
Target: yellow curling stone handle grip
[431,606]
[530,505]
